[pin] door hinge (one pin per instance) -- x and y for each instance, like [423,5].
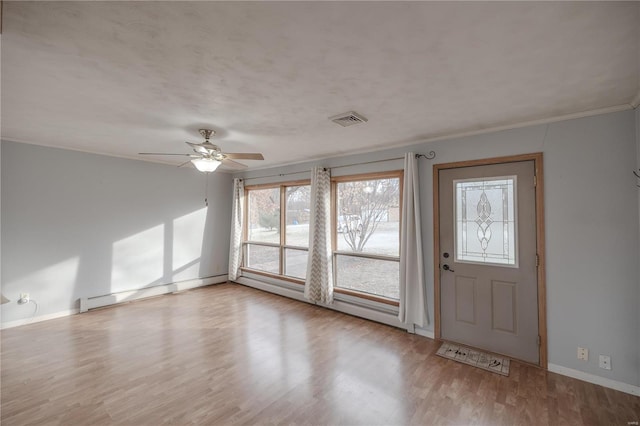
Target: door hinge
[539,340]
[535,180]
[537,261]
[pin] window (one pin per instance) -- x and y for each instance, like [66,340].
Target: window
[263,230]
[367,234]
[278,243]
[296,242]
[365,240]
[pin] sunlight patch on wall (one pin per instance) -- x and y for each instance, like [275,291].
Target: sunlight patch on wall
[188,232]
[138,260]
[50,286]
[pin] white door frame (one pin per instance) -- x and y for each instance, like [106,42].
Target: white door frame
[540,243]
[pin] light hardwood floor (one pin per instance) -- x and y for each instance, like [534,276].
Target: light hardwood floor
[228,354]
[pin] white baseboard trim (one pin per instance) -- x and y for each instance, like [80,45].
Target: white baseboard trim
[271,288]
[366,313]
[125,296]
[425,333]
[40,318]
[592,378]
[343,306]
[87,303]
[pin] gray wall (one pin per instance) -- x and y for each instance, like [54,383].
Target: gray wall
[80,225]
[591,209]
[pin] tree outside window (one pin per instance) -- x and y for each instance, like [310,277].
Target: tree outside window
[368,216]
[367,227]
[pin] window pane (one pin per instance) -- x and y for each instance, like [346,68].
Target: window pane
[379,277]
[485,220]
[295,263]
[369,216]
[297,232]
[264,215]
[263,258]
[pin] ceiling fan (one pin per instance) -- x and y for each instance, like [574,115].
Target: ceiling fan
[208,156]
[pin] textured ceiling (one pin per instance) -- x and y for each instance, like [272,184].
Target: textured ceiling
[123,77]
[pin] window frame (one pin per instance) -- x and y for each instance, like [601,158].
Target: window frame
[399,174]
[282,246]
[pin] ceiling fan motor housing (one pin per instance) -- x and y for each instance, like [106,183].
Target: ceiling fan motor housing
[207,133]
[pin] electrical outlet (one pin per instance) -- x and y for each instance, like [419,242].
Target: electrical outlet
[605,362]
[24,298]
[583,354]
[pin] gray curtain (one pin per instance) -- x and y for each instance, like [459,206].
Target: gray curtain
[413,301]
[318,286]
[237,218]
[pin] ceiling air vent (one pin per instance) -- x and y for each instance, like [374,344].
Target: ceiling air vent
[348,119]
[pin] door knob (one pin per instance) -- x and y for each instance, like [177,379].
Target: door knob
[447,268]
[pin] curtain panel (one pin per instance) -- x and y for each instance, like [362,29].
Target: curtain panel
[237,219]
[318,286]
[413,301]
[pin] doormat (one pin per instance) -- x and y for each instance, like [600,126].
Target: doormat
[494,363]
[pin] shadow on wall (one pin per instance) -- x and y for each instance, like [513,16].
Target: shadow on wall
[77,225]
[162,254]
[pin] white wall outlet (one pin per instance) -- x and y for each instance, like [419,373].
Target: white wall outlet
[583,354]
[24,298]
[605,362]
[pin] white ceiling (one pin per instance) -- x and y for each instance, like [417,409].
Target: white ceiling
[123,77]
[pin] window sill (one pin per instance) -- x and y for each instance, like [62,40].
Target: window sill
[274,276]
[339,290]
[367,296]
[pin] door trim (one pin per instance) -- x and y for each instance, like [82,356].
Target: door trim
[540,239]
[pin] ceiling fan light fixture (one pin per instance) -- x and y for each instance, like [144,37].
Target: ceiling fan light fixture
[206,165]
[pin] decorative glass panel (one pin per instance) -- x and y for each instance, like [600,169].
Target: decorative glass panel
[374,276]
[485,226]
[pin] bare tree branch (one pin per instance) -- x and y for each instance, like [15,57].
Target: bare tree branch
[363,205]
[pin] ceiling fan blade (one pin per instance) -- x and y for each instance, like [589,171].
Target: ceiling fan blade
[185,163]
[165,153]
[198,147]
[233,164]
[244,156]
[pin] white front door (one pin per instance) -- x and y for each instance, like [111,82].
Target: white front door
[488,265]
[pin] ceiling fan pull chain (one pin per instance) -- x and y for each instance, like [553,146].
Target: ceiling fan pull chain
[206,189]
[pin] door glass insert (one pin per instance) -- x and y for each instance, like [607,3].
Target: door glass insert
[485,228]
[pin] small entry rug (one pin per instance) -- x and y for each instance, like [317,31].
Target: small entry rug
[494,363]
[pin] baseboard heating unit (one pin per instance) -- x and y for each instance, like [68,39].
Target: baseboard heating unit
[87,303]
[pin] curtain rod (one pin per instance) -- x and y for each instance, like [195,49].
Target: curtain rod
[429,156]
